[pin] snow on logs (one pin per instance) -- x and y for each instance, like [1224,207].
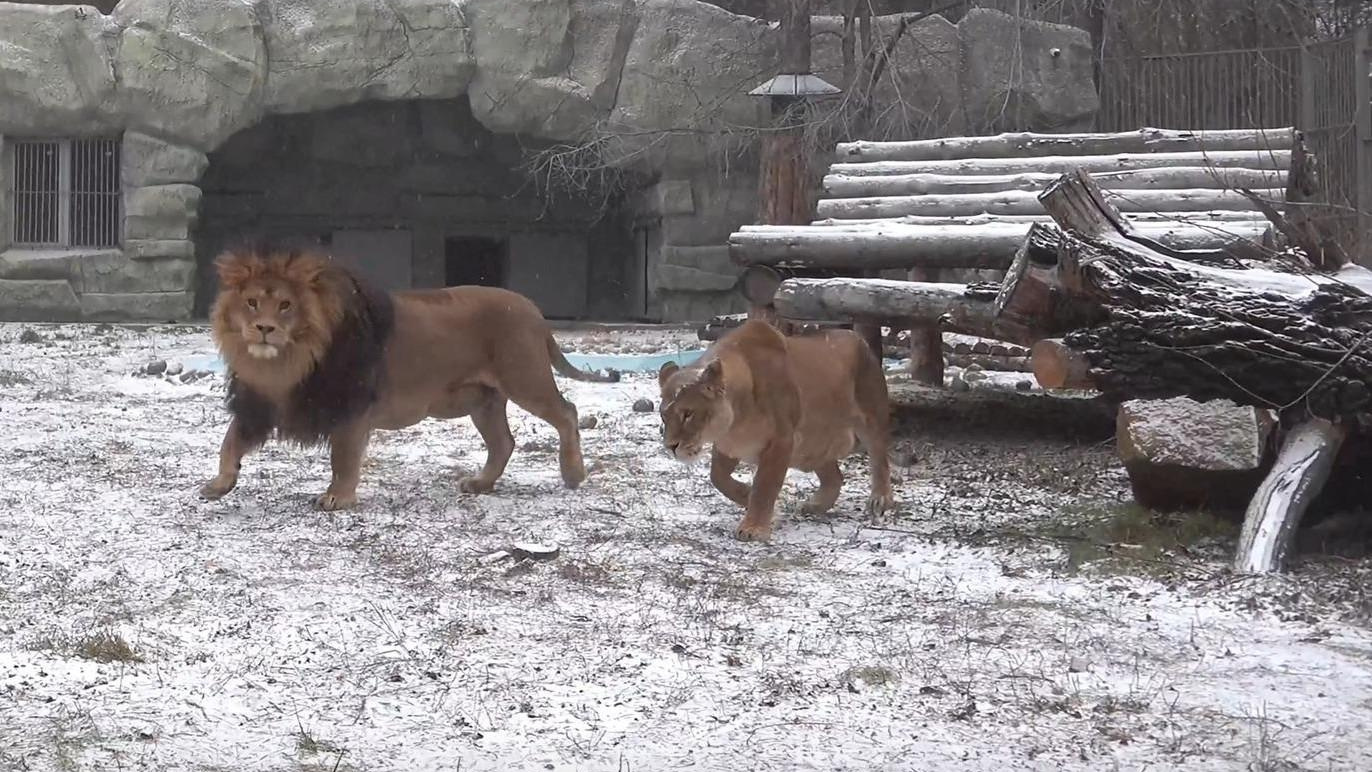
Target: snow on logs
[1022,202]
[1029,144]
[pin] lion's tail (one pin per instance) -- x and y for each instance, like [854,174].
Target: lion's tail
[564,367]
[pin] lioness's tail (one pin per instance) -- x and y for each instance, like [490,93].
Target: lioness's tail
[564,367]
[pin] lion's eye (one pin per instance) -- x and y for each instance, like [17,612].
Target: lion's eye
[285,305]
[252,303]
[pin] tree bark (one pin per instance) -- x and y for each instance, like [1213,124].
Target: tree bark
[1031,145]
[1296,478]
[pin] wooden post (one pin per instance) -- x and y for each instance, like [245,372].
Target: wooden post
[785,174]
[926,340]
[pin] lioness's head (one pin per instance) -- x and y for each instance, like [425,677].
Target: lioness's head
[695,410]
[273,306]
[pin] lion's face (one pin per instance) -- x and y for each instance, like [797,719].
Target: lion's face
[695,411]
[277,309]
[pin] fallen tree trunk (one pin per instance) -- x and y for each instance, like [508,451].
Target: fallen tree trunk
[1296,478]
[1063,164]
[1026,202]
[1170,178]
[1027,144]
[992,245]
[1055,366]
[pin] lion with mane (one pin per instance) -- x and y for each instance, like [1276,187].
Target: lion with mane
[317,355]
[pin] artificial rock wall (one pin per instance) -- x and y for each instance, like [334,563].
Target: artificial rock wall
[656,82]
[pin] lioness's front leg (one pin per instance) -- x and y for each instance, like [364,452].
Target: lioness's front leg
[830,485]
[231,453]
[346,446]
[772,464]
[722,476]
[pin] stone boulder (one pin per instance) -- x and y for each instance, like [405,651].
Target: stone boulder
[161,212]
[548,68]
[56,73]
[1023,75]
[329,53]
[146,160]
[690,67]
[190,71]
[1183,454]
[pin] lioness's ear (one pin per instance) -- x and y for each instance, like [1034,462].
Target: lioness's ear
[233,269]
[665,372]
[713,374]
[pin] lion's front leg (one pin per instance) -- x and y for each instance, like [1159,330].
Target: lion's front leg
[231,452]
[772,464]
[346,446]
[722,476]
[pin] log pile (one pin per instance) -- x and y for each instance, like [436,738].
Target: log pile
[1137,320]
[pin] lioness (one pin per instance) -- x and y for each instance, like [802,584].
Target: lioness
[316,354]
[781,402]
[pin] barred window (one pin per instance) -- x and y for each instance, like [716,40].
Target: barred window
[66,193]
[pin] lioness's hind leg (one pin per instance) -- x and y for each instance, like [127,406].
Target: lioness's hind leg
[874,431]
[830,484]
[491,421]
[530,385]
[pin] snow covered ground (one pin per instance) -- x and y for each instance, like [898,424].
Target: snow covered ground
[141,628]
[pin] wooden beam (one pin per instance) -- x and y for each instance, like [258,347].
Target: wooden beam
[1170,178]
[1027,202]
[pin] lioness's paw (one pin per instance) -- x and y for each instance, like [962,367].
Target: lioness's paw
[216,488]
[332,502]
[879,504]
[752,532]
[476,485]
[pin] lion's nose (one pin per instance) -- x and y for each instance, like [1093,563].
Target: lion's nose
[265,329]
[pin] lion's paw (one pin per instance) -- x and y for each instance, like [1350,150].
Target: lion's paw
[752,532]
[879,504]
[475,484]
[332,502]
[216,488]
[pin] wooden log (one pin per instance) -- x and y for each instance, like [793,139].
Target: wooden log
[957,246]
[1056,366]
[1299,473]
[1168,178]
[1030,300]
[1032,145]
[1224,159]
[885,300]
[1003,364]
[1141,219]
[926,339]
[1027,202]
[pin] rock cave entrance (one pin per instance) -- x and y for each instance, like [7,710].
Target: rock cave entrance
[415,194]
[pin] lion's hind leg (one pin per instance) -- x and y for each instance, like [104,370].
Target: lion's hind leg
[491,421]
[529,383]
[830,485]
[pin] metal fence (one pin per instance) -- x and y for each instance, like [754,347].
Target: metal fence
[1321,89]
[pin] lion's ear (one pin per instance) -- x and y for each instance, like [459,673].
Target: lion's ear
[712,377]
[309,270]
[666,371]
[234,269]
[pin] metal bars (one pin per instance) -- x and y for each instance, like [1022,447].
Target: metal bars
[66,193]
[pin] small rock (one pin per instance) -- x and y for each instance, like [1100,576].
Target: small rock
[588,422]
[29,336]
[972,368]
[189,376]
[972,375]
[531,551]
[1078,665]
[959,385]
[155,368]
[174,368]
[1024,385]
[643,405]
